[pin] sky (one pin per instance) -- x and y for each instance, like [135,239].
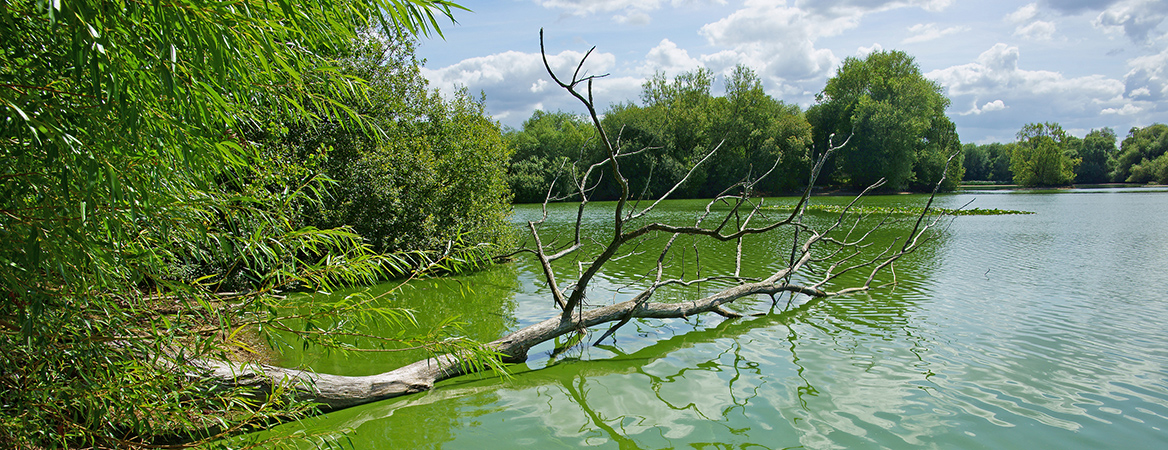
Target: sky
[1084,64]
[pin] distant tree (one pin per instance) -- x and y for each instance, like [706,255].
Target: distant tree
[680,122]
[681,114]
[1039,158]
[998,163]
[977,164]
[896,120]
[760,133]
[545,149]
[1097,150]
[1143,156]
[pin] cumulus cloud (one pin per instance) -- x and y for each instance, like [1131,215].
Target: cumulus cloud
[1023,14]
[997,69]
[633,18]
[668,58]
[1127,110]
[635,12]
[1147,81]
[517,83]
[996,105]
[1027,25]
[869,6]
[865,51]
[779,40]
[1038,30]
[1139,20]
[927,32]
[1033,95]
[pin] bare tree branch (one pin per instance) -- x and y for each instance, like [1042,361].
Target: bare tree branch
[819,256]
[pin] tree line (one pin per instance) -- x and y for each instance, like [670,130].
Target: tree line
[892,117]
[1045,155]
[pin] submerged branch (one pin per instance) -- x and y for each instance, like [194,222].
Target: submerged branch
[338,391]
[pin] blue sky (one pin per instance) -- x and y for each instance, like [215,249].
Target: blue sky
[1082,63]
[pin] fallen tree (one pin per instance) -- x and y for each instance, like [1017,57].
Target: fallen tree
[816,257]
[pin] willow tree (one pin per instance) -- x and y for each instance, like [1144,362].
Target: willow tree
[124,159]
[1041,156]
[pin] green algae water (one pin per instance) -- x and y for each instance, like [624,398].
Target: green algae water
[1047,330]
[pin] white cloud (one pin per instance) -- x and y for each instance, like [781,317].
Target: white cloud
[865,51]
[870,6]
[996,105]
[636,11]
[760,20]
[1027,25]
[1147,81]
[997,69]
[1139,20]
[633,18]
[779,40]
[1038,30]
[1127,110]
[1023,14]
[927,32]
[1033,95]
[516,83]
[667,57]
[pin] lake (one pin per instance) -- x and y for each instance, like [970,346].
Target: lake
[1047,330]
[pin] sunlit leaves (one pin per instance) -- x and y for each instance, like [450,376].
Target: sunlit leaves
[126,171]
[680,123]
[435,175]
[1040,157]
[896,122]
[1143,157]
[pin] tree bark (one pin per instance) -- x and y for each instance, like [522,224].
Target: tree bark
[338,391]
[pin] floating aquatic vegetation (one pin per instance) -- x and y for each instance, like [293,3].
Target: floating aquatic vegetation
[905,210]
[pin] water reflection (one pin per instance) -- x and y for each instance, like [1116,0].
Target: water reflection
[1025,332]
[483,303]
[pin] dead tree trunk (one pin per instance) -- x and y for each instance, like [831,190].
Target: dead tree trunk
[844,254]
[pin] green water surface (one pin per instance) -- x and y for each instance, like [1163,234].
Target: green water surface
[1005,332]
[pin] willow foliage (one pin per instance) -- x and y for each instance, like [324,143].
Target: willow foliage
[1041,156]
[437,175]
[124,163]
